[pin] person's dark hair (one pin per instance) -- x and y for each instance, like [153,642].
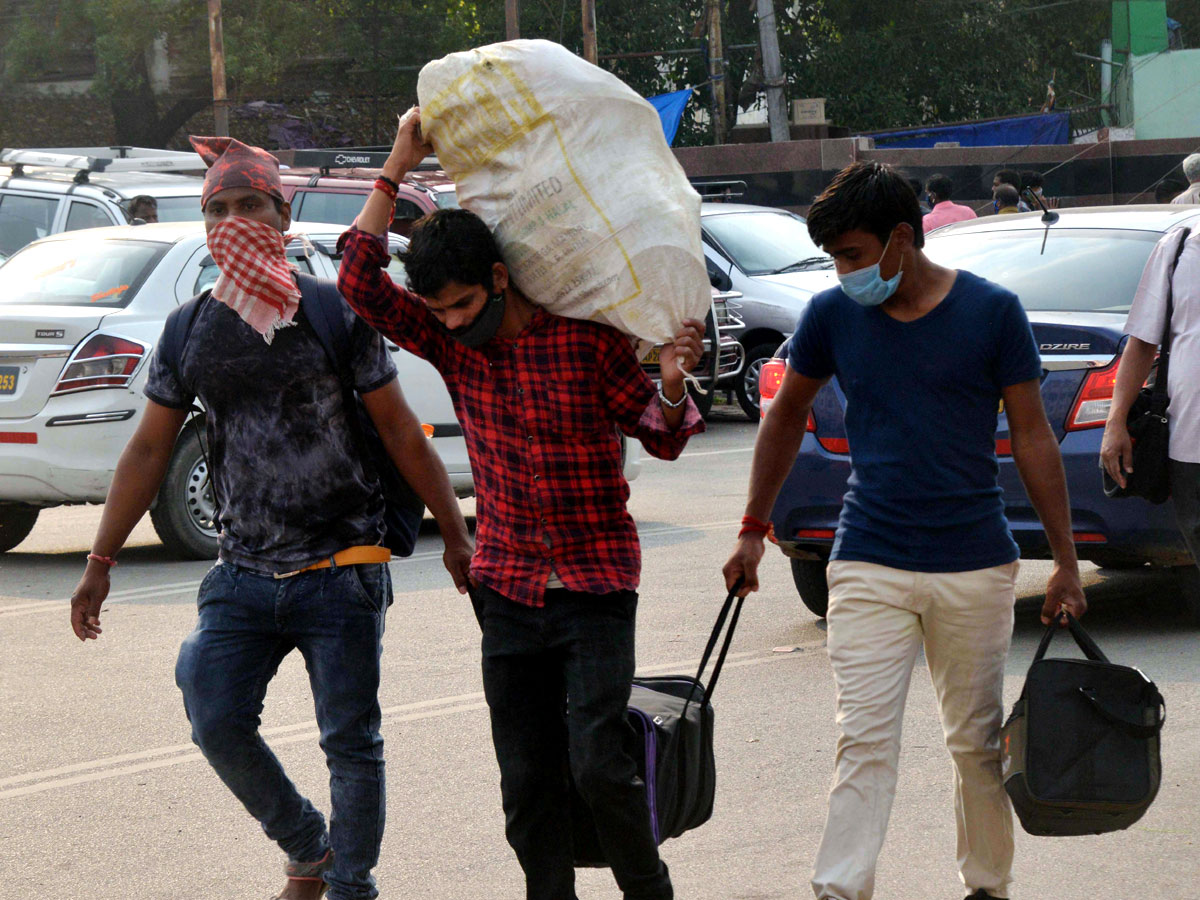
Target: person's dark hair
[867,195]
[1031,180]
[1006,195]
[940,186]
[1009,176]
[1167,190]
[139,203]
[450,245]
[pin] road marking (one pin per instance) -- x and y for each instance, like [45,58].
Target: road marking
[184,587]
[282,735]
[700,453]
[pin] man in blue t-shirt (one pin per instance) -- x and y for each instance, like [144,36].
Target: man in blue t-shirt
[923,555]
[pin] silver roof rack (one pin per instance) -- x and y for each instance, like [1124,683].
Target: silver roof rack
[84,160]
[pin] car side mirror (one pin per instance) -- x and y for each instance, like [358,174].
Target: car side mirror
[718,278]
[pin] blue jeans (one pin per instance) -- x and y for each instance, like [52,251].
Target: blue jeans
[248,622]
[575,653]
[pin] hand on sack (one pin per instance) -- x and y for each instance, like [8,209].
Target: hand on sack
[682,354]
[1063,592]
[1116,452]
[409,148]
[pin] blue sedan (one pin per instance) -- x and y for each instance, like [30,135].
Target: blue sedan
[1076,278]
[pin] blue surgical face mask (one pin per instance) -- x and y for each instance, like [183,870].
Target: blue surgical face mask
[866,286]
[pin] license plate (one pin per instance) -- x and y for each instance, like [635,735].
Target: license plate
[8,379]
[651,358]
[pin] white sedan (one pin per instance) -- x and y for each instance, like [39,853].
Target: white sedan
[80,313]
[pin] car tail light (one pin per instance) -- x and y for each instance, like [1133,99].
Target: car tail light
[1095,399]
[815,534]
[770,377]
[102,361]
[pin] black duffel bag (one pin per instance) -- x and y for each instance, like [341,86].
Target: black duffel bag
[1149,427]
[672,744]
[1080,752]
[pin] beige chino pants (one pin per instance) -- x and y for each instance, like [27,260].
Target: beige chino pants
[879,618]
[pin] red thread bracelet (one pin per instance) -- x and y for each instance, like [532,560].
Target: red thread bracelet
[107,560]
[751,525]
[388,186]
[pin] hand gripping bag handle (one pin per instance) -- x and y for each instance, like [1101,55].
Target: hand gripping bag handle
[1082,638]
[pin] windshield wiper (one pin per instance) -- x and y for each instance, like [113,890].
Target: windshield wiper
[803,264]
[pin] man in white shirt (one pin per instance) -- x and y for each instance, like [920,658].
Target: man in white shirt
[1191,170]
[1145,327]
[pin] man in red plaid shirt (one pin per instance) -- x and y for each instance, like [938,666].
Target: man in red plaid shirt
[540,398]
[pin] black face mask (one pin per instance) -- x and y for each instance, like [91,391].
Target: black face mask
[485,326]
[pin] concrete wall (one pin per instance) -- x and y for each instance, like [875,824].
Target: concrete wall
[791,174]
[1159,95]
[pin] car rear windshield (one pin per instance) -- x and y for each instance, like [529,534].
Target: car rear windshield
[1080,270]
[446,199]
[765,243]
[78,273]
[179,209]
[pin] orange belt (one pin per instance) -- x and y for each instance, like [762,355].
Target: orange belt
[351,556]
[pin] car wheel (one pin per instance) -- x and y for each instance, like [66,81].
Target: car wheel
[1188,578]
[809,575]
[16,521]
[747,382]
[185,515]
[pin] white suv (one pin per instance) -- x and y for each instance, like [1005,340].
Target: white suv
[44,192]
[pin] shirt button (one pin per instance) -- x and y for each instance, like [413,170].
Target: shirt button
[520,390]
[537,477]
[530,437]
[543,521]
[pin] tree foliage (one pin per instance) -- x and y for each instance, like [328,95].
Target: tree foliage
[879,64]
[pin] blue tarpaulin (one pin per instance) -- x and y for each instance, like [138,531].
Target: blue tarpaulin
[1017,131]
[670,109]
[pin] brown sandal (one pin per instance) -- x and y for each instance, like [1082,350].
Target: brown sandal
[310,874]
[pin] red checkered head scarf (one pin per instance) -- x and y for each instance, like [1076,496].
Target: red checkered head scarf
[234,164]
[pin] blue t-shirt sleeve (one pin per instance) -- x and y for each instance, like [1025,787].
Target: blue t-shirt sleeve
[1016,356]
[810,352]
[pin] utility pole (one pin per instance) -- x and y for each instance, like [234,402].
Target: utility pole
[768,36]
[589,32]
[512,19]
[716,69]
[216,50]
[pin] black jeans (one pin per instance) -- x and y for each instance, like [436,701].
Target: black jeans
[557,682]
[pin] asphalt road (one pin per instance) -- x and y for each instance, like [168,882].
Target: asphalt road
[103,796]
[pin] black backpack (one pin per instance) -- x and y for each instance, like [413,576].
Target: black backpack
[323,307]
[1080,752]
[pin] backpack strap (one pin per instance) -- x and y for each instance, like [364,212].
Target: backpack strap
[175,336]
[323,306]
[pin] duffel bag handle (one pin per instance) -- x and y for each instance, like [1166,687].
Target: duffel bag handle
[1082,638]
[1133,729]
[712,643]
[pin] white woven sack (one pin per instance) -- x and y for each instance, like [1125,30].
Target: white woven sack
[569,168]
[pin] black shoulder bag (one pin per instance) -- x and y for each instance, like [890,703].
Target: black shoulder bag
[1148,424]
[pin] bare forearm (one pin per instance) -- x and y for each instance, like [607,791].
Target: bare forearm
[136,480]
[376,216]
[1136,362]
[1040,466]
[779,437]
